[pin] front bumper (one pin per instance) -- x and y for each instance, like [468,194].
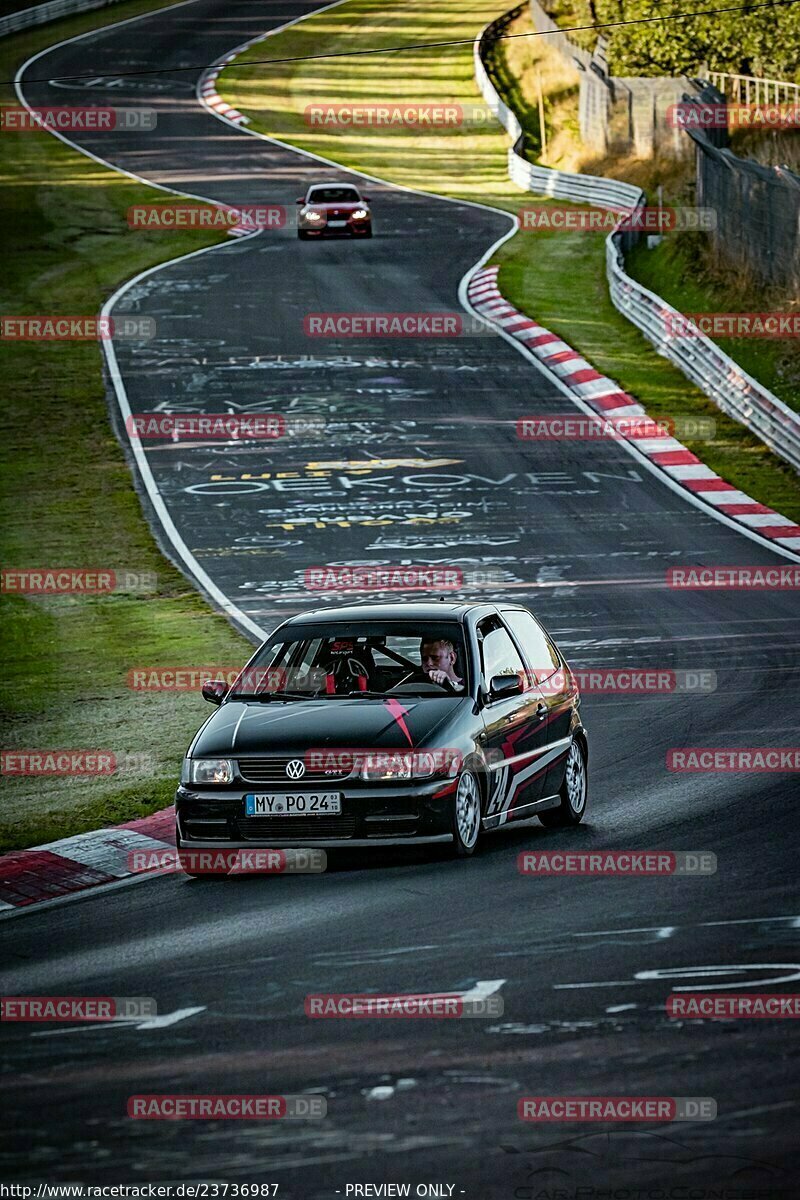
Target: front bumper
[325,230]
[371,816]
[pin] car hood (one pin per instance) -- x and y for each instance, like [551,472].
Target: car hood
[291,727]
[343,206]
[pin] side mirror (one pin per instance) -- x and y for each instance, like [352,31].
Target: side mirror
[300,200]
[505,685]
[213,690]
[367,199]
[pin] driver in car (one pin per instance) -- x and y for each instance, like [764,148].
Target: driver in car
[438,659]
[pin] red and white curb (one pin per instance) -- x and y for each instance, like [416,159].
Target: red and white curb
[72,864]
[210,96]
[237,231]
[608,400]
[208,90]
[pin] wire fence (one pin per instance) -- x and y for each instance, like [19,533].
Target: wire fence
[616,114]
[721,378]
[758,208]
[40,14]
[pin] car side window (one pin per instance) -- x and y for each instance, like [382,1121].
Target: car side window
[499,655]
[539,650]
[298,662]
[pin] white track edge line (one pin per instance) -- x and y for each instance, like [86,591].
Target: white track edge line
[653,468]
[197,573]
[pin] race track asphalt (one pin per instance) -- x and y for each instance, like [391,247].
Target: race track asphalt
[583,533]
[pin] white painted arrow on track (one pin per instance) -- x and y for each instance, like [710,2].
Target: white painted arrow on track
[482,989]
[180,1014]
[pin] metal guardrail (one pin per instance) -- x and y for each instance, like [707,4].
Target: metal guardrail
[544,181]
[733,391]
[40,14]
[563,185]
[701,360]
[489,92]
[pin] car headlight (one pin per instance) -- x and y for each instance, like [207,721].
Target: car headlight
[391,765]
[312,216]
[425,764]
[211,770]
[386,766]
[360,213]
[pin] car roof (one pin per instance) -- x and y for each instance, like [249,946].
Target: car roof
[333,183]
[391,611]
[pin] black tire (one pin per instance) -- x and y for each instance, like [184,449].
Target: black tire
[573,792]
[467,812]
[303,235]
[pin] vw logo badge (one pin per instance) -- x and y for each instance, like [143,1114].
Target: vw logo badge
[296,769]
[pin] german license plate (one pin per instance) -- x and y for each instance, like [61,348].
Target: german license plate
[336,224]
[306,804]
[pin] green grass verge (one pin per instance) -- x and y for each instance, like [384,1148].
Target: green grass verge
[675,270]
[467,160]
[558,278]
[68,499]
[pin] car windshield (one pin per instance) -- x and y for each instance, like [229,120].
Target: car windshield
[333,195]
[371,659]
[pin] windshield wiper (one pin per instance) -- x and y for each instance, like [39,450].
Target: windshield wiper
[369,695]
[266,696]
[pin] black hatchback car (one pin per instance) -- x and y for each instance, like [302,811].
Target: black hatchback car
[388,724]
